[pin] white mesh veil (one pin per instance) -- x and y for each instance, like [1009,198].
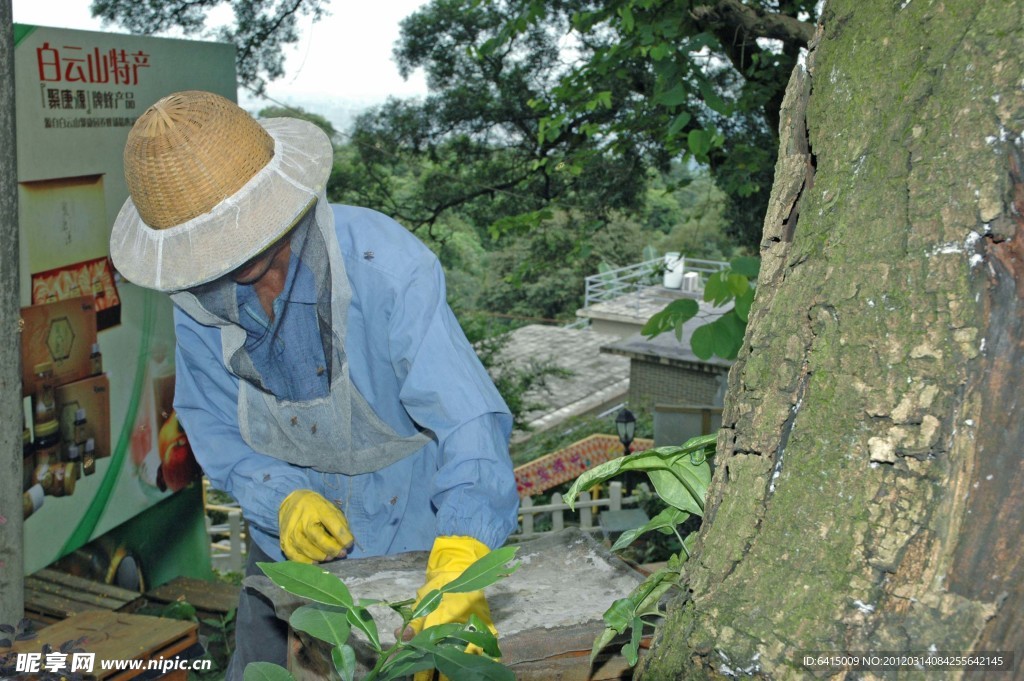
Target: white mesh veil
[338,433]
[239,227]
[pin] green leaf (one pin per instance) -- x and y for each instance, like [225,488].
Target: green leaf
[609,469]
[407,662]
[308,581]
[627,18]
[480,636]
[673,316]
[669,517]
[619,614]
[732,330]
[460,666]
[266,671]
[699,142]
[427,604]
[602,640]
[484,572]
[652,459]
[716,289]
[722,337]
[327,625]
[742,305]
[647,596]
[738,284]
[679,123]
[674,97]
[631,650]
[688,543]
[363,621]
[429,637]
[344,661]
[702,342]
[681,488]
[712,98]
[747,266]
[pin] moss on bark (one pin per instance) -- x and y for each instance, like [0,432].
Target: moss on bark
[850,436]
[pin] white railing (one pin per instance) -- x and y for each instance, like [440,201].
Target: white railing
[616,283]
[227,551]
[227,554]
[227,539]
[586,509]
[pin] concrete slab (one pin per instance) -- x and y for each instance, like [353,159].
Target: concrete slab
[550,607]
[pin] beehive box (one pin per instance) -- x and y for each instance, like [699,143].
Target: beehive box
[547,613]
[115,636]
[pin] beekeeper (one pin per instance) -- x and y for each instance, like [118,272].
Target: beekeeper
[322,378]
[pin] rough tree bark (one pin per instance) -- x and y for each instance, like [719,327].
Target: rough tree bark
[867,490]
[11,568]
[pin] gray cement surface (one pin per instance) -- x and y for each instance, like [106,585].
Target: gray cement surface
[552,604]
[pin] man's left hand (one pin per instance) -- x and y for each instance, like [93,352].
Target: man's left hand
[449,557]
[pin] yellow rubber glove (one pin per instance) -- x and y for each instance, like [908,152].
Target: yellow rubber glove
[448,558]
[311,528]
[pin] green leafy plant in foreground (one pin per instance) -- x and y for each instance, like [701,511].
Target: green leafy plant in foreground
[334,613]
[680,476]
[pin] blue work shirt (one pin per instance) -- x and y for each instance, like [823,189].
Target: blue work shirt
[411,362]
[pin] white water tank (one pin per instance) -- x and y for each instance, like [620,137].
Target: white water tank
[691,282]
[674,266]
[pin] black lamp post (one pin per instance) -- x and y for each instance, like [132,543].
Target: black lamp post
[625,424]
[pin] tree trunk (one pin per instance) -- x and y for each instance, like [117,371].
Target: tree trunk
[867,492]
[11,547]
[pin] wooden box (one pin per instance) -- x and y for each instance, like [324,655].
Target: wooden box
[118,636]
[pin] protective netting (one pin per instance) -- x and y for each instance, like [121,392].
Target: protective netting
[335,433]
[215,243]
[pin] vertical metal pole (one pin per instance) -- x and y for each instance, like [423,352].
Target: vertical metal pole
[12,568]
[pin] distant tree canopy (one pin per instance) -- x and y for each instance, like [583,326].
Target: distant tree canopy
[547,103]
[298,112]
[261,27]
[570,102]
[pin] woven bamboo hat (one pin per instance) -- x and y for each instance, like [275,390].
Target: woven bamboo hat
[210,188]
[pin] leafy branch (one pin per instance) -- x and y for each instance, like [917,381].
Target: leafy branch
[680,475]
[335,613]
[723,336]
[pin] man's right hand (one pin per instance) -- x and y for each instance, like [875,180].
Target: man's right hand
[312,529]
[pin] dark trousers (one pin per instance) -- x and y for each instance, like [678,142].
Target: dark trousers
[259,635]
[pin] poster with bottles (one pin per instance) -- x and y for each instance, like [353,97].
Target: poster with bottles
[101,441]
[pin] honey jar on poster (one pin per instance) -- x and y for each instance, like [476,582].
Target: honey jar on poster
[47,444]
[44,403]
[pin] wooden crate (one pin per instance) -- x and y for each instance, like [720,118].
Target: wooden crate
[51,596]
[118,636]
[210,599]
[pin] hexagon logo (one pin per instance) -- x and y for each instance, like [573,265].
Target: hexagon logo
[60,339]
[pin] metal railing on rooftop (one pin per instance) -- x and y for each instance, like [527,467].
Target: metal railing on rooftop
[647,277]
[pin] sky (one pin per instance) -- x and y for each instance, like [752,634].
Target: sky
[341,64]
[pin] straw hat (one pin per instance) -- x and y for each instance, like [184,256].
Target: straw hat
[210,188]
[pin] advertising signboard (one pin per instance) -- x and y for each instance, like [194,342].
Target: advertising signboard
[102,444]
